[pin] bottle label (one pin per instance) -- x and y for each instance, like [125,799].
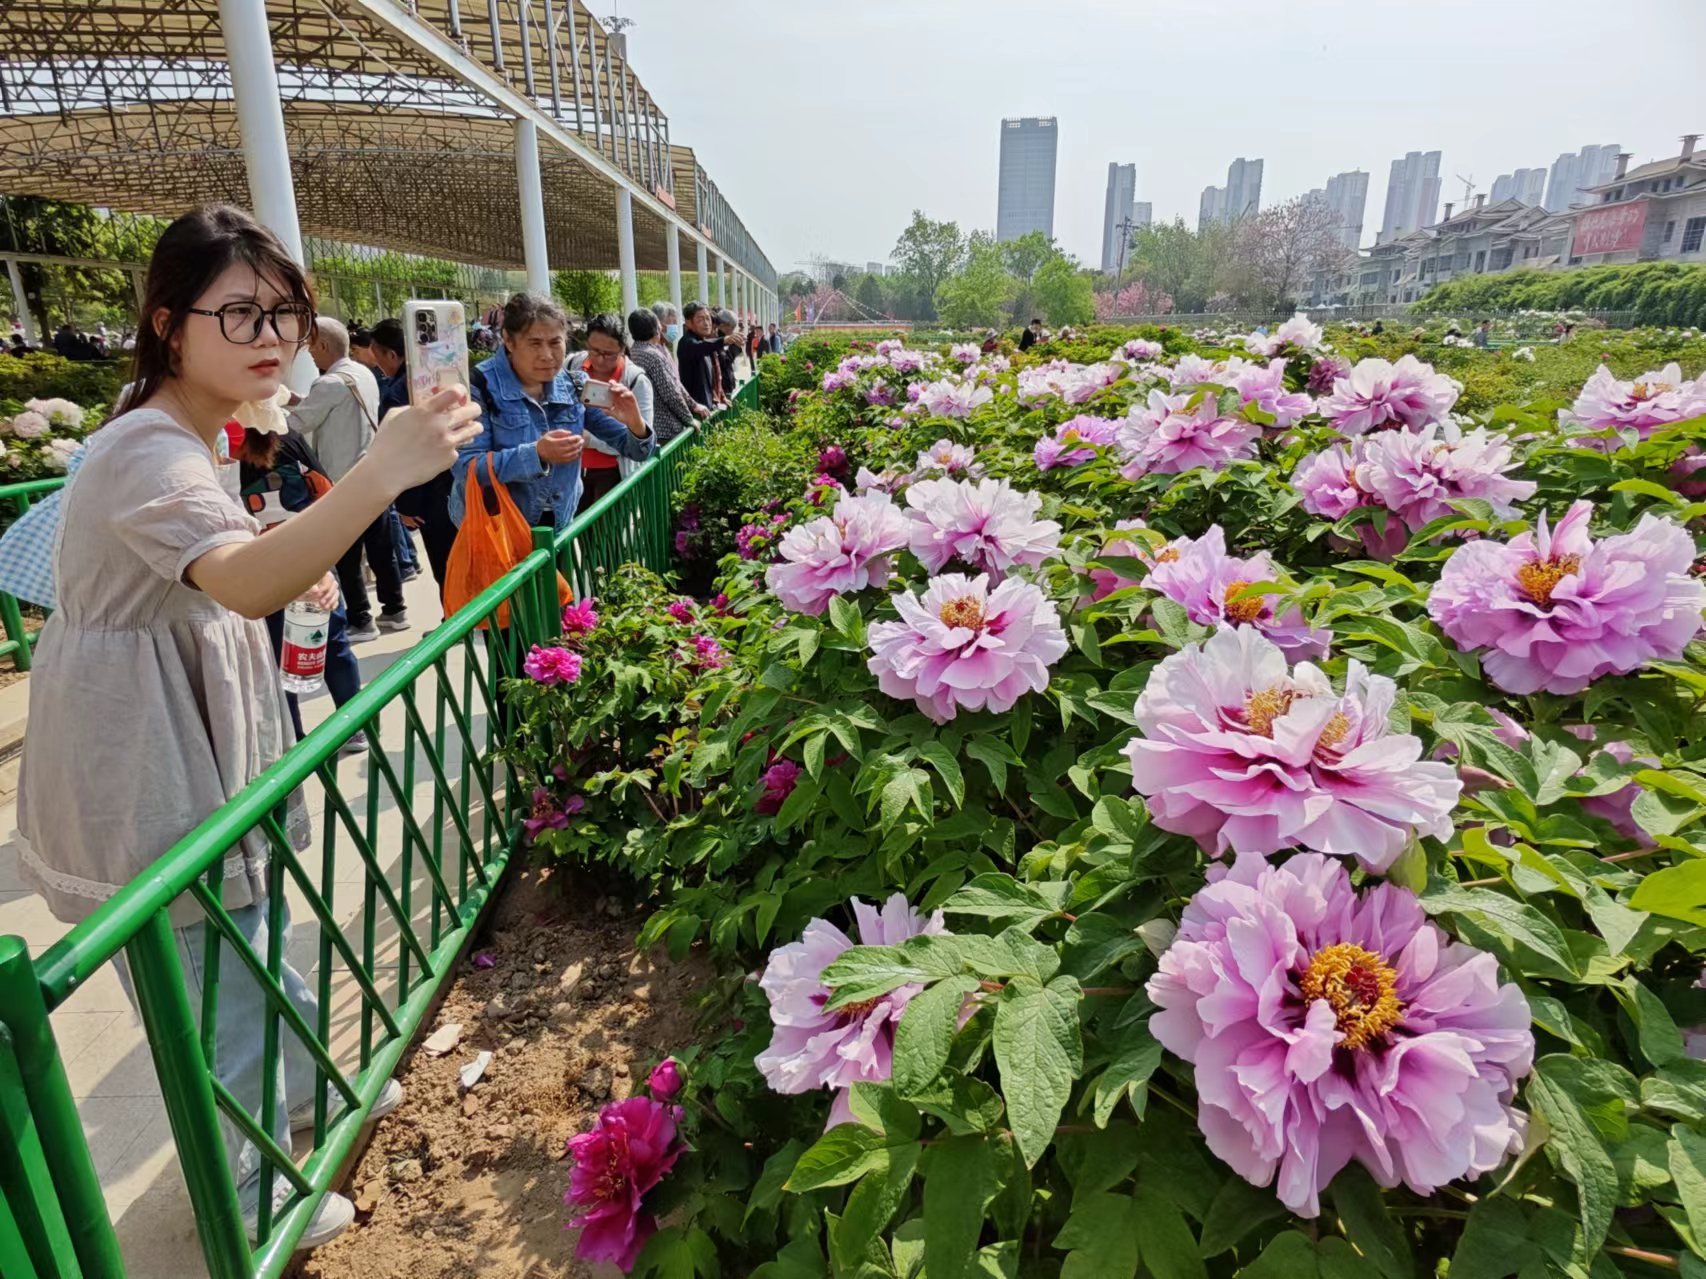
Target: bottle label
[304,648]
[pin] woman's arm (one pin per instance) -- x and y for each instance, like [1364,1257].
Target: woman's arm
[260,576]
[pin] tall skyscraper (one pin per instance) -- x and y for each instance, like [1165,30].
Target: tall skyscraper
[1026,196]
[1570,173]
[1116,215]
[1527,185]
[1211,208]
[1347,196]
[1243,189]
[1142,214]
[1412,195]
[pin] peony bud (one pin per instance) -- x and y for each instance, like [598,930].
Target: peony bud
[665,1080]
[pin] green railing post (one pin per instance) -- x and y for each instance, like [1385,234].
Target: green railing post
[545,585]
[188,1092]
[12,618]
[23,1010]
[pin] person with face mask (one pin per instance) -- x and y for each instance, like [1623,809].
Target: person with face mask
[670,328]
[155,697]
[673,411]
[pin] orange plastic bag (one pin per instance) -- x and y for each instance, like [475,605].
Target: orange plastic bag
[493,539]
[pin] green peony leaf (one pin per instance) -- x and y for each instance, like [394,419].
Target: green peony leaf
[960,1179]
[948,768]
[1099,1238]
[1687,1151]
[925,1034]
[1575,1147]
[1038,1052]
[1134,1056]
[873,1202]
[1295,1256]
[1168,1247]
[997,896]
[1368,1226]
[1238,1208]
[1678,892]
[843,1154]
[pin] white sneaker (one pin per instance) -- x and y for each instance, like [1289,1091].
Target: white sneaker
[335,1215]
[390,1097]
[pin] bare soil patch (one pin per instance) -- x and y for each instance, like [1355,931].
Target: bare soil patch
[459,1184]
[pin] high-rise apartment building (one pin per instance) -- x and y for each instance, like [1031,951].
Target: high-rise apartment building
[1346,194]
[1243,189]
[1412,195]
[1025,200]
[1117,215]
[1142,214]
[1211,208]
[1526,185]
[1592,166]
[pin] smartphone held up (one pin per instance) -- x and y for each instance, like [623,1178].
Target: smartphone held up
[435,339]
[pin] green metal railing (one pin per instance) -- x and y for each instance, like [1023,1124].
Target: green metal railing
[449,858]
[18,641]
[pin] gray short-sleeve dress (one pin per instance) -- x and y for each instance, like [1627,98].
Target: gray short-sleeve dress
[150,704]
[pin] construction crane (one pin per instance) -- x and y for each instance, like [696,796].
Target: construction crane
[1468,188]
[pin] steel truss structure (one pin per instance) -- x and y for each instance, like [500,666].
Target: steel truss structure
[400,122]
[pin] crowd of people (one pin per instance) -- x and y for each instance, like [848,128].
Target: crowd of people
[75,343]
[216,497]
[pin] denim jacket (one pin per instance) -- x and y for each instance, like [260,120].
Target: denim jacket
[512,422]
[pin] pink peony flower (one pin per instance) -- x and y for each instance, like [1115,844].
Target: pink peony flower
[1264,387]
[964,352]
[1326,371]
[665,1081]
[984,523]
[552,665]
[1327,481]
[1415,473]
[837,380]
[779,781]
[953,399]
[1326,1026]
[545,814]
[890,481]
[1656,398]
[1380,393]
[580,618]
[963,645]
[1073,442]
[1555,610]
[880,394]
[1299,335]
[838,554]
[1171,434]
[1194,370]
[629,1151]
[1105,580]
[1210,585]
[1142,349]
[1089,381]
[944,457]
[1240,753]
[812,1048]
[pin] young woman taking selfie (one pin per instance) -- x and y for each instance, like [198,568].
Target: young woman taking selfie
[155,697]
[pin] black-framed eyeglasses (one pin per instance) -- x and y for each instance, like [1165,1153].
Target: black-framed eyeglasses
[241,322]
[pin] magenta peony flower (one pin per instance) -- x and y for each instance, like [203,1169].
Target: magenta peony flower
[944,457]
[986,524]
[1210,584]
[552,665]
[831,458]
[1326,371]
[708,655]
[580,618]
[665,1081]
[812,1048]
[963,645]
[1240,753]
[632,1147]
[1172,434]
[681,610]
[1555,610]
[1264,387]
[1656,398]
[779,781]
[1073,442]
[545,813]
[1380,393]
[1327,1026]
[838,554]
[879,394]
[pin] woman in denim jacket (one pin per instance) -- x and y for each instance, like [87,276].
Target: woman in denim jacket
[534,420]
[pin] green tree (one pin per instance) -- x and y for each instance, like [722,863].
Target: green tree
[928,253]
[29,224]
[973,297]
[1064,293]
[870,294]
[1026,255]
[586,293]
[1169,257]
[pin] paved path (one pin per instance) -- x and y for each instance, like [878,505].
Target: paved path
[100,1039]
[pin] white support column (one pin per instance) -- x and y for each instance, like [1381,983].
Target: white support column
[672,243]
[722,284]
[21,304]
[740,297]
[625,252]
[704,275]
[266,153]
[531,191]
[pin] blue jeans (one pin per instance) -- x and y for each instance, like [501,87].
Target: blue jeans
[406,559]
[343,674]
[239,1037]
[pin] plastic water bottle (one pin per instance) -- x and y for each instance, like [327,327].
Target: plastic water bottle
[303,662]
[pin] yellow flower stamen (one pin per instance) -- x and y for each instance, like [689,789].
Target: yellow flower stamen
[965,611]
[1334,731]
[1359,986]
[1539,578]
[1166,555]
[1265,707]
[1239,606]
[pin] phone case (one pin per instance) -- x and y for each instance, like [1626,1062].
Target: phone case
[435,341]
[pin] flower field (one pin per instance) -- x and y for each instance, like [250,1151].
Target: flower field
[1181,804]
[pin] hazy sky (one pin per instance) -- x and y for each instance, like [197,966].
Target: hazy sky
[825,124]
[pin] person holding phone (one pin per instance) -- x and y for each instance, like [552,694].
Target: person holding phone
[155,697]
[606,360]
[535,424]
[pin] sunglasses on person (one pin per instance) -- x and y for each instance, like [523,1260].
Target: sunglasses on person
[241,322]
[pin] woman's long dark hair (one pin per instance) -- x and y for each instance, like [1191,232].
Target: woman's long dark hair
[190,256]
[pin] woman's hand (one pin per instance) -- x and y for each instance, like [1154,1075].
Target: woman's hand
[324,593]
[422,440]
[626,409]
[700,411]
[558,447]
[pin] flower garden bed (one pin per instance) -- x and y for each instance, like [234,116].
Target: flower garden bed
[1184,804]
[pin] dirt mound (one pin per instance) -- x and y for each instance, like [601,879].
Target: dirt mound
[464,1183]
